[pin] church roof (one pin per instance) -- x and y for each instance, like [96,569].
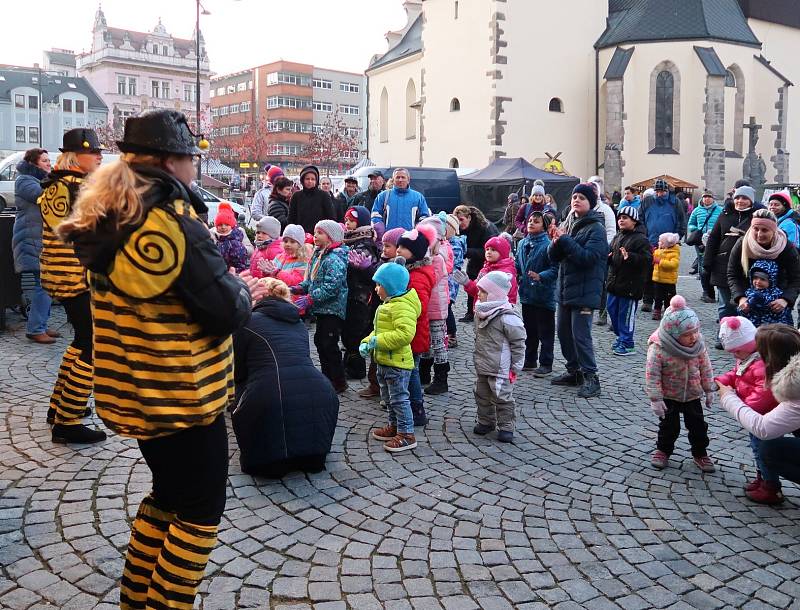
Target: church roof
[661,20]
[410,43]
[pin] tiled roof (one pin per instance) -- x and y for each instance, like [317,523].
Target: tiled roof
[711,61]
[660,20]
[410,43]
[50,88]
[619,63]
[61,59]
[138,40]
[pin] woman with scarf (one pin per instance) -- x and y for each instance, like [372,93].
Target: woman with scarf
[764,249]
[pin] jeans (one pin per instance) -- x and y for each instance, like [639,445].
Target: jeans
[540,328]
[724,306]
[415,385]
[782,457]
[38,303]
[622,315]
[766,473]
[670,427]
[575,337]
[394,392]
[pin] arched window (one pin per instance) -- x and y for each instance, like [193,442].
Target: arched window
[455,105]
[734,120]
[556,105]
[665,107]
[384,116]
[453,162]
[411,110]
[730,79]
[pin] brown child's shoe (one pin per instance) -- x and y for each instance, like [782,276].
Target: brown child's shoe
[386,433]
[401,442]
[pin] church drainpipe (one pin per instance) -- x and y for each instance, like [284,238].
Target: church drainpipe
[597,110]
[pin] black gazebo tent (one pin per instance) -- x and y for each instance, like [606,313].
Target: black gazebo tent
[488,189]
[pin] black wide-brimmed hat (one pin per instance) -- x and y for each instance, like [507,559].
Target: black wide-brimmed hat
[160,132]
[81,140]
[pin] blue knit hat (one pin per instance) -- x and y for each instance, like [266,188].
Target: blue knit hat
[358,213]
[393,276]
[587,190]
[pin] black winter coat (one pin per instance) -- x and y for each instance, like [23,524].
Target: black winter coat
[278,208]
[788,263]
[626,278]
[477,236]
[360,286]
[308,206]
[286,410]
[582,262]
[728,229]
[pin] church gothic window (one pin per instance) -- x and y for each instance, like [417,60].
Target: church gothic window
[455,105]
[665,92]
[454,162]
[411,110]
[384,116]
[556,105]
[730,79]
[664,119]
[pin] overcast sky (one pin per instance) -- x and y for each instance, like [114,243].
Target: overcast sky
[239,34]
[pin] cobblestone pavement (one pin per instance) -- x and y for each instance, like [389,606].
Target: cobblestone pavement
[570,516]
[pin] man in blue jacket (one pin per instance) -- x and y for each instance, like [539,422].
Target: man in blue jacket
[401,206]
[660,214]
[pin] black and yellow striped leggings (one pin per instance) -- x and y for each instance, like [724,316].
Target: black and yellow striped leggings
[176,527]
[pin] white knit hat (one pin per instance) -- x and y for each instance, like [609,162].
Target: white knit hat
[785,384]
[497,284]
[295,232]
[736,332]
[269,225]
[332,229]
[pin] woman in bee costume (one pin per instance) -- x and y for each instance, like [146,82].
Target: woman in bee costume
[164,308]
[64,278]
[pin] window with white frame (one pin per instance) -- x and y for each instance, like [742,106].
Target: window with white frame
[323,106]
[279,101]
[349,87]
[233,108]
[165,87]
[33,102]
[244,107]
[250,85]
[66,104]
[230,89]
[349,109]
[321,83]
[241,86]
[33,135]
[79,106]
[214,112]
[235,130]
[189,90]
[288,150]
[317,128]
[20,133]
[19,102]
[223,111]
[274,125]
[220,90]
[354,132]
[211,93]
[122,85]
[131,85]
[155,88]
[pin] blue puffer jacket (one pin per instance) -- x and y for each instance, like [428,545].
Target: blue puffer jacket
[582,256]
[704,217]
[400,208]
[286,409]
[662,215]
[326,281]
[787,223]
[459,246]
[532,256]
[26,240]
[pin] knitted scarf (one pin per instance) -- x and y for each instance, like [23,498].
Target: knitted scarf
[670,345]
[752,250]
[487,308]
[357,234]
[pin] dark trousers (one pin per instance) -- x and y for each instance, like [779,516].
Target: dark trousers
[357,325]
[190,472]
[782,457]
[575,337]
[705,278]
[470,305]
[649,288]
[326,339]
[670,427]
[451,321]
[604,294]
[540,327]
[79,315]
[662,293]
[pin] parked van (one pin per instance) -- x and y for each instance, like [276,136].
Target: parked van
[438,185]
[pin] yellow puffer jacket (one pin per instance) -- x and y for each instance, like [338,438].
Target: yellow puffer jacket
[395,326]
[666,270]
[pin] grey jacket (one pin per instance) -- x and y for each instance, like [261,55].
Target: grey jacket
[499,343]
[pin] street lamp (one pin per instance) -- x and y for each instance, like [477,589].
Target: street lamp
[197,83]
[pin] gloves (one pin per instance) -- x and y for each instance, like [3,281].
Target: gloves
[266,267]
[459,277]
[709,399]
[367,346]
[512,376]
[659,408]
[359,260]
[304,303]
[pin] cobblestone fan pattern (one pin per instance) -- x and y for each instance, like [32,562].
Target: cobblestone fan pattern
[570,516]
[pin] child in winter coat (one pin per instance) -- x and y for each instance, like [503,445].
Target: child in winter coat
[414,246]
[498,258]
[459,248]
[268,246]
[436,357]
[390,346]
[290,265]
[362,261]
[325,296]
[763,292]
[229,240]
[537,292]
[678,375]
[499,356]
[629,265]
[666,260]
[748,380]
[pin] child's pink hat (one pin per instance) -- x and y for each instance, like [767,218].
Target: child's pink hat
[736,332]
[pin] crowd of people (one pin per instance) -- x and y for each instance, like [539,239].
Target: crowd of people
[175,322]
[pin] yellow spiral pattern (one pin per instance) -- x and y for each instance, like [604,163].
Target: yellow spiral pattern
[55,204]
[151,259]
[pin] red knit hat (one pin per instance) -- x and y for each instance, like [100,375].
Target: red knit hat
[225,215]
[273,173]
[500,244]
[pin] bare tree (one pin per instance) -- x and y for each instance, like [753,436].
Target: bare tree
[332,147]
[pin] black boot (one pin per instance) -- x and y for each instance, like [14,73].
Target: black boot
[425,366]
[418,410]
[77,434]
[590,387]
[570,378]
[439,385]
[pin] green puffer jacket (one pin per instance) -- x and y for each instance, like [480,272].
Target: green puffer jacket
[395,325]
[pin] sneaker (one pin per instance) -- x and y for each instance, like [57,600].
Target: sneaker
[755,483]
[481,429]
[528,366]
[386,433]
[401,442]
[79,434]
[590,387]
[542,371]
[659,459]
[769,492]
[371,391]
[467,318]
[707,299]
[570,378]
[505,436]
[647,307]
[705,464]
[621,350]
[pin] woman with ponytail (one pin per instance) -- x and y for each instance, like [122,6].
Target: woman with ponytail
[164,306]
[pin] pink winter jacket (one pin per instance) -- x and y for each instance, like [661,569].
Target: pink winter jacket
[440,295]
[504,264]
[672,378]
[446,250]
[274,249]
[748,378]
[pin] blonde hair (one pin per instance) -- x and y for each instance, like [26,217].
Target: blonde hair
[302,253]
[66,160]
[276,288]
[113,190]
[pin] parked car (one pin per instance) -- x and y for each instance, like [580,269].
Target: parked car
[212,203]
[8,174]
[439,185]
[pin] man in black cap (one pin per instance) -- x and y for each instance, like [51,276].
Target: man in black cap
[376,185]
[347,198]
